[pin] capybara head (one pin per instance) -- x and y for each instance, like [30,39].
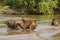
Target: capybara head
[55,22]
[11,24]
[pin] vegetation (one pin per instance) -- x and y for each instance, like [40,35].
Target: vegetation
[32,6]
[58,3]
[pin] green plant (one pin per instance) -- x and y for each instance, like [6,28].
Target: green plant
[41,6]
[47,7]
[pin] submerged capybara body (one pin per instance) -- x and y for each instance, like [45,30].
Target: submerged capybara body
[27,24]
[23,24]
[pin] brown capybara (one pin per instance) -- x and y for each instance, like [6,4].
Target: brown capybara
[22,23]
[27,24]
[55,22]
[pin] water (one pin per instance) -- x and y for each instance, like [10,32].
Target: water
[43,30]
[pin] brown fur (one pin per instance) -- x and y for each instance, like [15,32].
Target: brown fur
[24,24]
[11,24]
[55,22]
[27,24]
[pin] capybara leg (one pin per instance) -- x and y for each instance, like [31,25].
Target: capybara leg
[20,26]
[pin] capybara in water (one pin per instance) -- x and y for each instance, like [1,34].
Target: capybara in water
[55,22]
[22,23]
[27,24]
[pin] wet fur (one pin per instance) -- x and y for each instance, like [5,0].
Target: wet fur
[11,24]
[55,22]
[23,24]
[27,24]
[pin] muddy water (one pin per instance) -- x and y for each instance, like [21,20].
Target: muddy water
[41,19]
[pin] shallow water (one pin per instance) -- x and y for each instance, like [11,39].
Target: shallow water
[42,32]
